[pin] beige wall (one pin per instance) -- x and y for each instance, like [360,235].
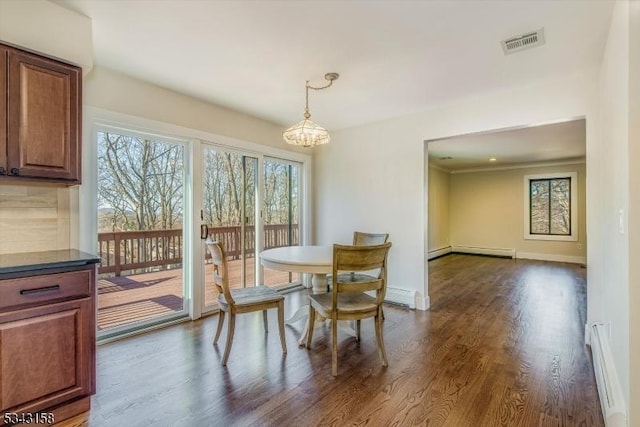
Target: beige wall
[487,211]
[438,208]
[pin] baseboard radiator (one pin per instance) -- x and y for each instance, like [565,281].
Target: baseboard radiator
[401,297]
[609,389]
[499,252]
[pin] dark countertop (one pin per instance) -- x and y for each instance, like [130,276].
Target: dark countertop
[32,261]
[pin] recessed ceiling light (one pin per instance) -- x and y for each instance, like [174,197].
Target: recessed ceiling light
[492,159]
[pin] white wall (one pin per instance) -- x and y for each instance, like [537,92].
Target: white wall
[111,90]
[619,102]
[372,177]
[634,210]
[613,153]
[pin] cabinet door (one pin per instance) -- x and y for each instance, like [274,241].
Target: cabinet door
[43,117]
[46,356]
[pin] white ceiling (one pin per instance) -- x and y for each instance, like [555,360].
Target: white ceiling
[537,144]
[394,57]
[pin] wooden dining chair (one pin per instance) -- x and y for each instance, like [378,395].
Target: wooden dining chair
[348,299]
[246,300]
[366,239]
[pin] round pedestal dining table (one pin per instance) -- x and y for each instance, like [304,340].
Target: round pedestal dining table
[316,260]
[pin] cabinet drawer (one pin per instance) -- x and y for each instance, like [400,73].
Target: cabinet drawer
[44,288]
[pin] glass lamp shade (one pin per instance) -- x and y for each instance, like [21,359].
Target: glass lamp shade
[306,134]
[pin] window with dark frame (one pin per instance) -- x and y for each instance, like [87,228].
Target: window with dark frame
[550,206]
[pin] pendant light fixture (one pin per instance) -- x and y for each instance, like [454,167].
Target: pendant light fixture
[306,133]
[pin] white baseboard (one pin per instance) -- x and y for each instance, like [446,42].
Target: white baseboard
[439,252]
[503,252]
[422,302]
[401,296]
[552,257]
[609,389]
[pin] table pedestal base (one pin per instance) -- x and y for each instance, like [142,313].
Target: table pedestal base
[319,282]
[319,286]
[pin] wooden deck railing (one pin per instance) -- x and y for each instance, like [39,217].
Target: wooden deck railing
[131,250]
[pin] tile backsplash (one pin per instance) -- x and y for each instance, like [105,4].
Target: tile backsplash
[34,218]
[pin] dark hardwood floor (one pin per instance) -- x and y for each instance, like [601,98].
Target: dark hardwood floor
[502,345]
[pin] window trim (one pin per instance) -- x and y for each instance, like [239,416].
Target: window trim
[573,237]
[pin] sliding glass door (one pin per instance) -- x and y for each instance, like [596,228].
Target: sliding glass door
[281,213]
[148,188]
[229,216]
[140,194]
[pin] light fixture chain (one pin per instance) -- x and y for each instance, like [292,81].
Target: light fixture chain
[330,77]
[306,105]
[321,87]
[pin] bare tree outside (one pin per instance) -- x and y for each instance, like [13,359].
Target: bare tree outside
[140,186]
[280,180]
[550,201]
[222,187]
[141,201]
[140,183]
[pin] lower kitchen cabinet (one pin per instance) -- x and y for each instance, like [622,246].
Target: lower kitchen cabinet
[47,344]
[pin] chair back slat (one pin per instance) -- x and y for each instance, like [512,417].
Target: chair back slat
[360,286]
[354,259]
[368,239]
[220,269]
[360,258]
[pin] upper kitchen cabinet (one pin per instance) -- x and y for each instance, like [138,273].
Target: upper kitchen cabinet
[40,118]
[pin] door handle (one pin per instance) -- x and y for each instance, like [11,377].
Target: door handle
[204,231]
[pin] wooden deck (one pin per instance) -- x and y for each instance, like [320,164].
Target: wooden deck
[128,299]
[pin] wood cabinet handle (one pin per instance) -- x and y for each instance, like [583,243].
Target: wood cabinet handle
[39,290]
[15,171]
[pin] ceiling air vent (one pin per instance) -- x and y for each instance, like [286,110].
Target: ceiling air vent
[524,41]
